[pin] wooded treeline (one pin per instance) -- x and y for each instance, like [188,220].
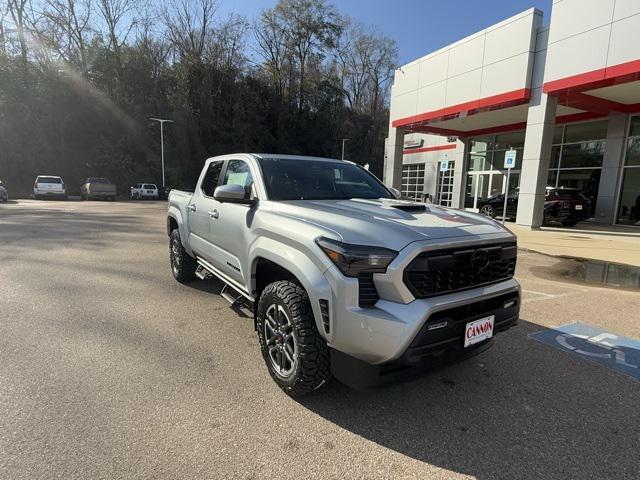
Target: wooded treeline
[79,80]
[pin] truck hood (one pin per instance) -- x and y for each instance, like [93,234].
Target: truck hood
[386,222]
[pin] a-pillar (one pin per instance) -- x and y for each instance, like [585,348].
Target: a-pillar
[611,164]
[535,162]
[392,174]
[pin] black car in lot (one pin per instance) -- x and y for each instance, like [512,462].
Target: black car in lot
[563,205]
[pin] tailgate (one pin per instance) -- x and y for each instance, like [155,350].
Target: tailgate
[50,187]
[102,188]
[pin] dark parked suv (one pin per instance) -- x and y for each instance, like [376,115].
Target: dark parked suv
[564,205]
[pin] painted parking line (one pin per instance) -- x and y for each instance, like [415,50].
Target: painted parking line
[550,295]
[616,352]
[547,296]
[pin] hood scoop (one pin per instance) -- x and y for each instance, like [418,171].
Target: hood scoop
[407,207]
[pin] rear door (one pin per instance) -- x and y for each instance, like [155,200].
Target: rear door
[229,222]
[201,203]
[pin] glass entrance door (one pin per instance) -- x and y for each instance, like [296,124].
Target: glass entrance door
[445,185]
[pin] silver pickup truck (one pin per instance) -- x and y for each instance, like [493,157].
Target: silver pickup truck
[343,278]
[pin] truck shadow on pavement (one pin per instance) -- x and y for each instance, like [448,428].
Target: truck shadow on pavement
[518,410]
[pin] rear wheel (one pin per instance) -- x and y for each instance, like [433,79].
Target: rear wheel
[488,211]
[183,265]
[297,357]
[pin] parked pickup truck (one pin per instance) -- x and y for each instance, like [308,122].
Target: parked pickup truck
[98,187]
[343,278]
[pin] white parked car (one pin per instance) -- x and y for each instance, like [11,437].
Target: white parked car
[142,191]
[47,186]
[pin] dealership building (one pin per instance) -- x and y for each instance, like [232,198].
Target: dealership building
[565,97]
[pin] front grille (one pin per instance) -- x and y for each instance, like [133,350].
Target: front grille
[452,270]
[367,293]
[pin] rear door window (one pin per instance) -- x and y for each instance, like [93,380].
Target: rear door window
[211,178]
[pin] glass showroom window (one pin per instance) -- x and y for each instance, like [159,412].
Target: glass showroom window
[413,181]
[576,158]
[486,174]
[629,203]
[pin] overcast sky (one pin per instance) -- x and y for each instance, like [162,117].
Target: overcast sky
[418,26]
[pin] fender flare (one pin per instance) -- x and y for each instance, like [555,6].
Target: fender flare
[310,275]
[175,213]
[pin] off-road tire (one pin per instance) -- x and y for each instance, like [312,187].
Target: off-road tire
[185,268]
[312,369]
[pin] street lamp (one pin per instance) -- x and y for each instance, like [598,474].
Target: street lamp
[162,121]
[344,140]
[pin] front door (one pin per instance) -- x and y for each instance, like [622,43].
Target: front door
[230,226]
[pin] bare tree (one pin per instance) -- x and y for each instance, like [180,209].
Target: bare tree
[382,63]
[4,13]
[309,26]
[67,29]
[18,11]
[188,24]
[366,62]
[119,21]
[226,45]
[271,41]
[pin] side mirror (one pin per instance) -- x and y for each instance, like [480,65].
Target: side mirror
[232,194]
[396,193]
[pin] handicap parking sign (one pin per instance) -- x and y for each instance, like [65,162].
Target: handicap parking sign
[510,159]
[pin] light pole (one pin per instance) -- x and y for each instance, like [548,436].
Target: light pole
[344,140]
[162,121]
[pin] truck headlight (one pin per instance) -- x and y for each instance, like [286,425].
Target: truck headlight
[355,259]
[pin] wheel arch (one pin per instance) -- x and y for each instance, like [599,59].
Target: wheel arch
[273,261]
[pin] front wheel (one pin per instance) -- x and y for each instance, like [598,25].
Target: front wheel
[488,211]
[183,265]
[297,357]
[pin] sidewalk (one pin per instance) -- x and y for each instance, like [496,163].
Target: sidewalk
[609,244]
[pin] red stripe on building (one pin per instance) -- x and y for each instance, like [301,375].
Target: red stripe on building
[495,102]
[448,146]
[603,77]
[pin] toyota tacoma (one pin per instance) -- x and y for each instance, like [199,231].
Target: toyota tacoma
[343,278]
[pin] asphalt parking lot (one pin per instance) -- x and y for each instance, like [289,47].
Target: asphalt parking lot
[110,369]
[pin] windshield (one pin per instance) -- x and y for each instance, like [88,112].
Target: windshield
[301,179]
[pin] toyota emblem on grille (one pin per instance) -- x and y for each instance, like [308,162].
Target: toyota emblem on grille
[480,259]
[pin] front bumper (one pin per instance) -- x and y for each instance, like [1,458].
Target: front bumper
[373,346]
[389,331]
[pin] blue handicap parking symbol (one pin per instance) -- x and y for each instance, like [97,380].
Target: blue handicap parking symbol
[616,352]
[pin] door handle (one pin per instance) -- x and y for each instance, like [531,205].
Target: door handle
[213,213]
[192,207]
